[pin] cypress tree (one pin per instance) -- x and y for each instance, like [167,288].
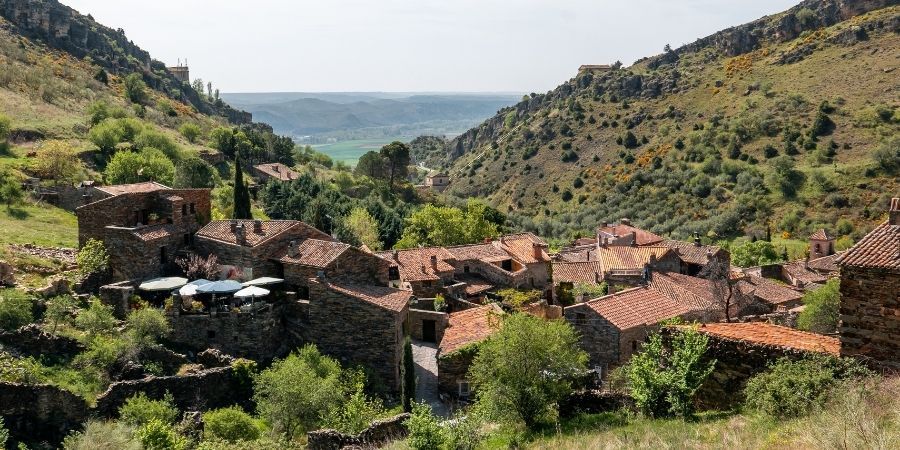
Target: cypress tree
[241,194]
[409,377]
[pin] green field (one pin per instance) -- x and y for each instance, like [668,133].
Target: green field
[350,151]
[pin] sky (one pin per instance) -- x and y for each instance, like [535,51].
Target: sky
[411,45]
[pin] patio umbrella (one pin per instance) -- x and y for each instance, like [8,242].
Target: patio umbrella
[251,292]
[191,288]
[263,281]
[163,284]
[219,287]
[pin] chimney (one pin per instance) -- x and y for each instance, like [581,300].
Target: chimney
[434,262]
[424,269]
[625,221]
[240,231]
[292,249]
[234,226]
[696,239]
[894,211]
[257,226]
[538,251]
[633,239]
[652,260]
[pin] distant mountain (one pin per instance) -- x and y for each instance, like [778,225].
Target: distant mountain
[300,114]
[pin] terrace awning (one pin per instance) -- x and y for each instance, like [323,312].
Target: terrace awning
[220,287]
[191,288]
[262,281]
[163,284]
[251,292]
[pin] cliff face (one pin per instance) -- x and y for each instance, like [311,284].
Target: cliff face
[65,29]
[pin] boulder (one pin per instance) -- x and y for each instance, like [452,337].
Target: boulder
[55,287]
[7,278]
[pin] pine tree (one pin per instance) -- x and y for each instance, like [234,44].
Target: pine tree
[409,376]
[241,194]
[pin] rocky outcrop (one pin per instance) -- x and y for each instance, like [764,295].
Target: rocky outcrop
[31,340]
[7,277]
[40,415]
[214,358]
[379,434]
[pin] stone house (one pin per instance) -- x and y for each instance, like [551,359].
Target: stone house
[567,275]
[695,256]
[248,249]
[274,171]
[437,181]
[359,324]
[613,327]
[821,244]
[458,347]
[302,260]
[776,296]
[594,69]
[143,226]
[870,294]
[798,274]
[625,234]
[630,266]
[423,271]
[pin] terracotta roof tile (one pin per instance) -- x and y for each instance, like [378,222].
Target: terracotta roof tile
[799,271]
[688,290]
[523,246]
[474,284]
[385,297]
[147,186]
[768,290]
[692,253]
[154,232]
[821,235]
[617,257]
[580,253]
[641,237]
[414,264]
[638,306]
[577,272]
[773,335]
[487,252]
[313,253]
[878,249]
[470,326]
[278,171]
[220,230]
[826,263]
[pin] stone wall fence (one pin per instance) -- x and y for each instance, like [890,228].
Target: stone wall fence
[40,414]
[379,434]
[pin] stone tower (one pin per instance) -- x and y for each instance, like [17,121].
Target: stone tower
[821,243]
[181,72]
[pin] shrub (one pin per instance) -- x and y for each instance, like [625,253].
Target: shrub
[630,140]
[821,311]
[92,258]
[230,424]
[425,432]
[135,88]
[190,131]
[10,189]
[15,309]
[887,156]
[149,138]
[754,254]
[103,436]
[59,309]
[147,325]
[140,410]
[150,164]
[98,112]
[793,388]
[770,151]
[663,382]
[158,435]
[358,411]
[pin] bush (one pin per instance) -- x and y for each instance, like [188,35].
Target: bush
[103,436]
[135,88]
[630,140]
[193,172]
[887,156]
[822,308]
[15,310]
[756,253]
[147,325]
[425,432]
[230,424]
[97,319]
[358,411]
[158,435]
[663,382]
[190,131]
[150,164]
[793,388]
[140,410]
[92,258]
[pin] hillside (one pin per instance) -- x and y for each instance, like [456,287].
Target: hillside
[369,115]
[759,125]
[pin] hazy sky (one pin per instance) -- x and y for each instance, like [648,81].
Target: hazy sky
[411,45]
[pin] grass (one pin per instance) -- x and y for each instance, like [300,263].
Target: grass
[350,151]
[38,224]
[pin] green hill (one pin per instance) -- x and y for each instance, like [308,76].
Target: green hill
[789,122]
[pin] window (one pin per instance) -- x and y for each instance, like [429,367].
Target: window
[633,345]
[818,248]
[464,391]
[465,269]
[506,265]
[393,273]
[210,334]
[303,292]
[163,255]
[183,210]
[193,209]
[187,238]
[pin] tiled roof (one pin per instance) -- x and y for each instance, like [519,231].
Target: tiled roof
[616,257]
[798,271]
[821,235]
[147,186]
[522,247]
[641,237]
[577,272]
[313,253]
[878,249]
[688,290]
[474,284]
[577,254]
[692,253]
[278,171]
[584,241]
[638,306]
[487,252]
[826,263]
[220,230]
[470,326]
[154,232]
[414,264]
[762,333]
[385,297]
[768,290]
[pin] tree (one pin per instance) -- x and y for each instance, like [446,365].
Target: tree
[752,254]
[196,266]
[230,424]
[59,309]
[241,193]
[526,389]
[150,138]
[58,161]
[135,88]
[371,164]
[408,394]
[10,189]
[147,325]
[630,140]
[190,131]
[364,227]
[358,410]
[97,319]
[722,286]
[444,226]
[193,172]
[5,130]
[663,381]
[425,430]
[149,164]
[887,156]
[822,309]
[397,156]
[784,177]
[296,393]
[92,258]
[198,85]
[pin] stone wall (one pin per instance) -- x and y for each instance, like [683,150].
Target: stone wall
[41,413]
[117,295]
[454,368]
[416,318]
[30,340]
[599,338]
[870,315]
[257,336]
[207,389]
[379,434]
[357,332]
[354,265]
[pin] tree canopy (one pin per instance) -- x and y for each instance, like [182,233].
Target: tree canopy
[445,225]
[148,164]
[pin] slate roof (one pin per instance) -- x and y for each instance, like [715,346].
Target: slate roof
[469,326]
[638,307]
[278,171]
[641,237]
[313,253]
[147,186]
[414,264]
[617,257]
[821,235]
[577,272]
[879,249]
[688,290]
[220,230]
[384,297]
[768,290]
[691,253]
[767,334]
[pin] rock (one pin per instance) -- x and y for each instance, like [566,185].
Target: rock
[55,287]
[31,340]
[214,358]
[131,371]
[192,424]
[7,278]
